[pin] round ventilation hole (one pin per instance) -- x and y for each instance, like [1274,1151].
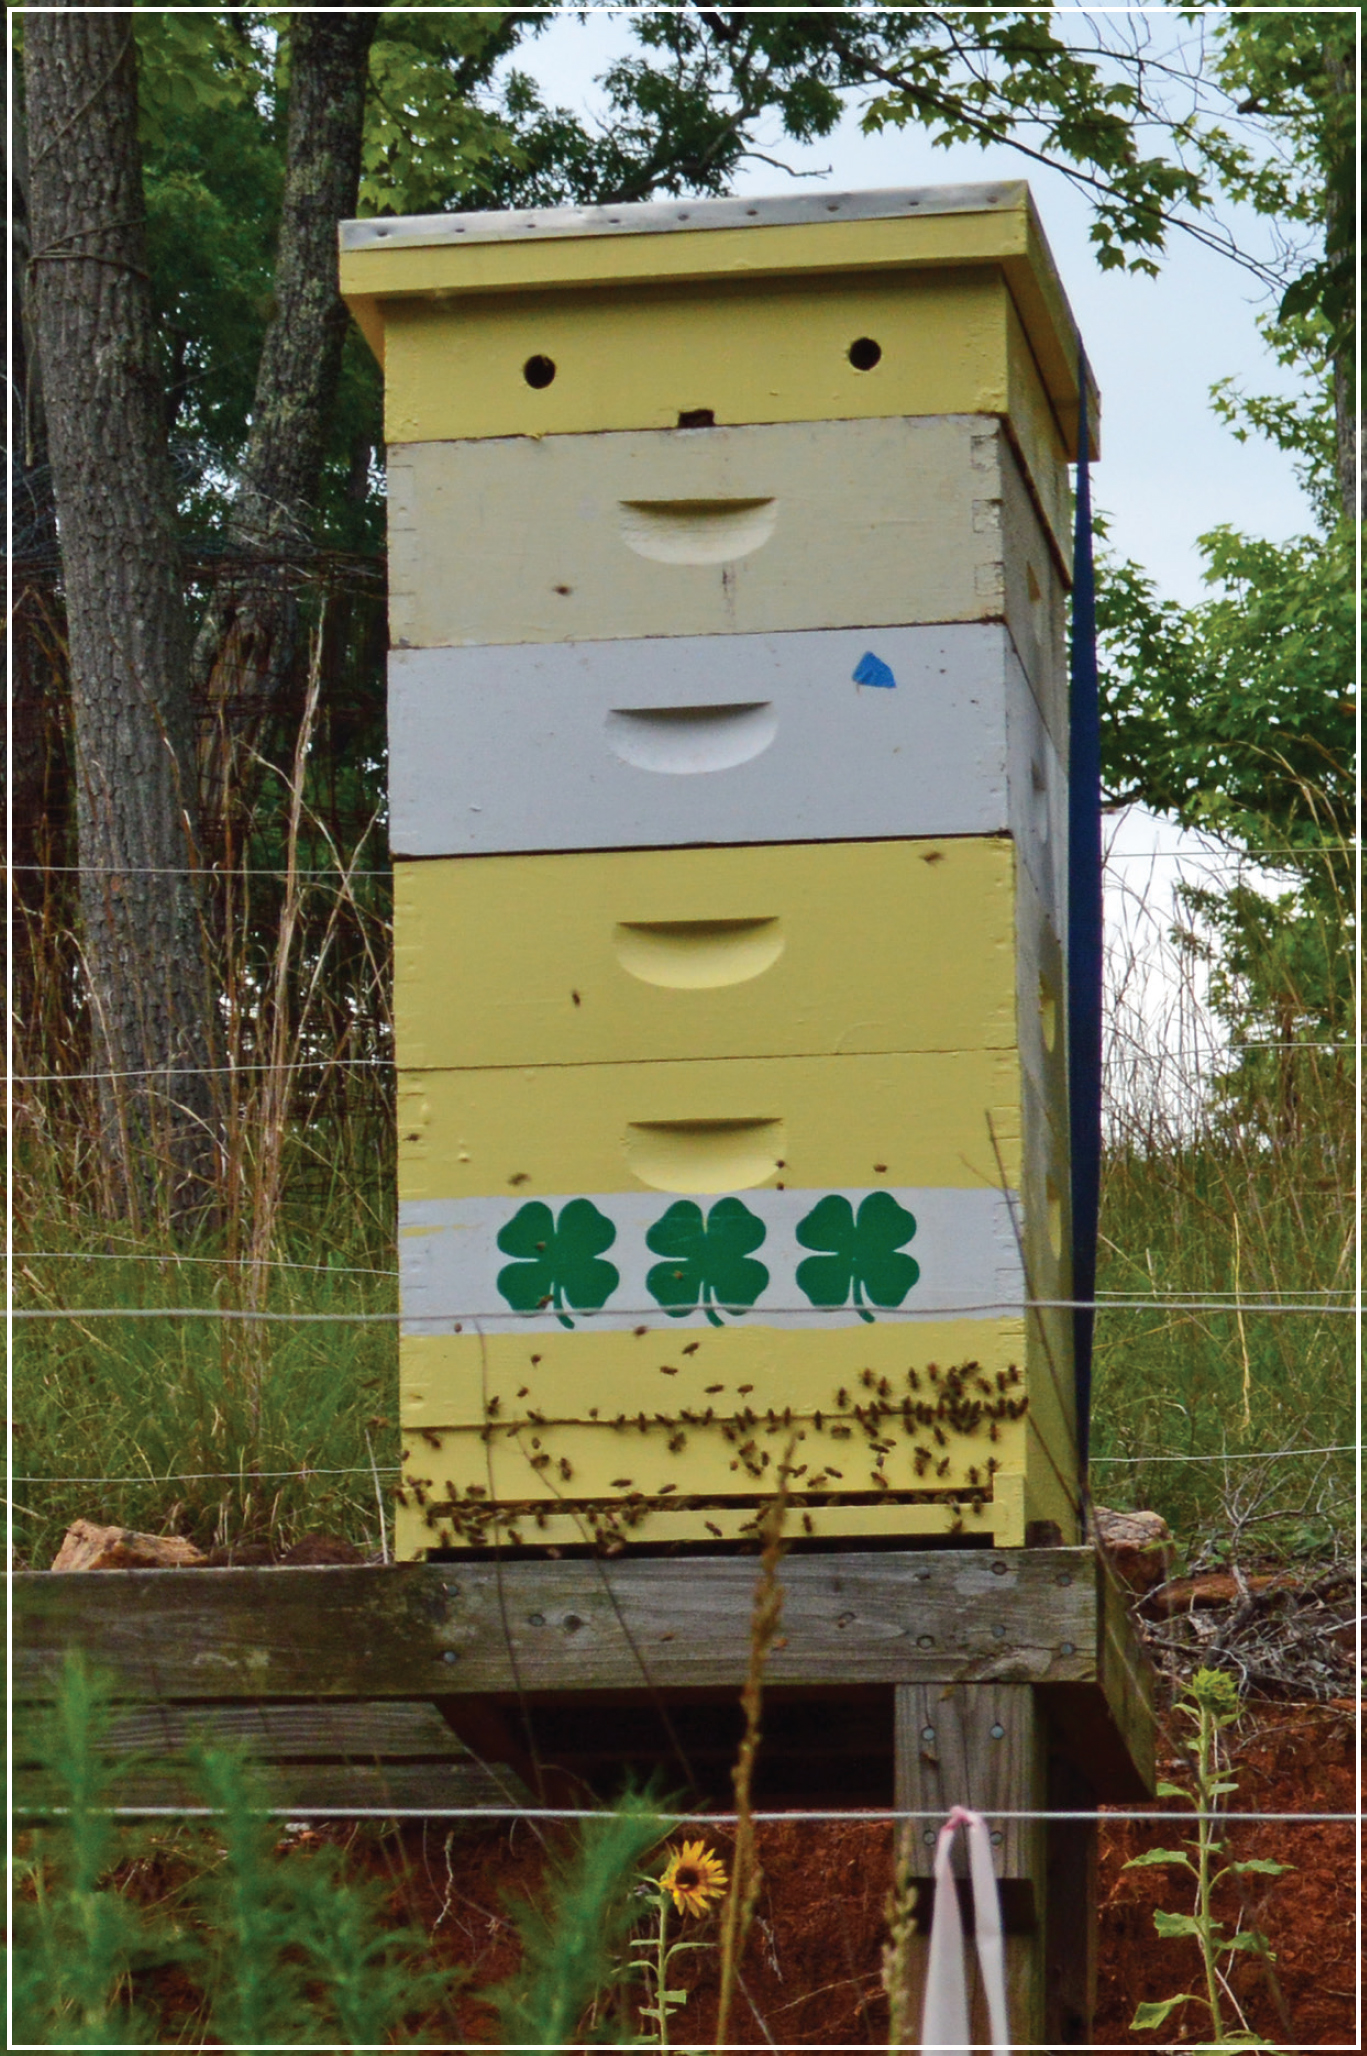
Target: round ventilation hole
[864,353]
[539,371]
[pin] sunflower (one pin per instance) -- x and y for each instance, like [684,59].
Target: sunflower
[692,1877]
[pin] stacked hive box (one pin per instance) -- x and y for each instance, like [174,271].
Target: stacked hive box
[728,731]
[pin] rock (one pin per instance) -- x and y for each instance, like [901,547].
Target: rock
[87,1546]
[1138,1546]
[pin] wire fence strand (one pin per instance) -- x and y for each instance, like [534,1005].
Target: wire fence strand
[875,1816]
[173,1071]
[131,1256]
[1332,1294]
[456,1318]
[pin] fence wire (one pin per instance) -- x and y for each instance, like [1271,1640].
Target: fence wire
[456,1318]
[875,1816]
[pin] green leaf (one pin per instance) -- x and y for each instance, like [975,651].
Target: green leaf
[865,1256]
[1153,1856]
[1167,1791]
[561,1263]
[708,1262]
[1260,1866]
[1154,2012]
[1250,1943]
[1177,1923]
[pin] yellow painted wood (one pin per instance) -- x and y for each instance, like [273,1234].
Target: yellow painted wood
[624,956]
[844,524]
[950,345]
[573,1460]
[1034,428]
[447,1380]
[781,354]
[379,283]
[999,1521]
[1041,1001]
[829,1122]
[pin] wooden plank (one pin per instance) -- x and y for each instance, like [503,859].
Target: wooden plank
[748,531]
[642,955]
[648,742]
[682,740]
[1070,1942]
[365,1730]
[415,1631]
[1126,1676]
[595,1372]
[982,1745]
[936,293]
[450,1782]
[572,1461]
[978,1745]
[998,1521]
[817,1123]
[778,351]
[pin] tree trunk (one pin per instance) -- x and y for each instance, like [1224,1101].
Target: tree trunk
[246,640]
[126,620]
[35,764]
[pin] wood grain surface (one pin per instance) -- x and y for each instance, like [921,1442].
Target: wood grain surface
[655,741]
[412,1631]
[749,531]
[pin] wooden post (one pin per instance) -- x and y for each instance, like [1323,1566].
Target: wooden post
[982,1746]
[1070,1907]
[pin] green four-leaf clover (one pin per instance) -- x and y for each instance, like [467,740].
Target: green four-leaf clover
[707,1261]
[863,1252]
[561,1262]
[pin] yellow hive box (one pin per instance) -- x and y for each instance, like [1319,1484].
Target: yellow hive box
[944,301]
[626,956]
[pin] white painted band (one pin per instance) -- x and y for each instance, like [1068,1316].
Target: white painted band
[963,1245]
[723,739]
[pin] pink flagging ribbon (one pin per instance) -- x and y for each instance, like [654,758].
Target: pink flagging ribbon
[944,2021]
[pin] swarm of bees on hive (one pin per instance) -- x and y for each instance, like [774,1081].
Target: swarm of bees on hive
[960,1401]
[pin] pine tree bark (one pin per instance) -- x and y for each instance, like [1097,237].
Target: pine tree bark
[246,640]
[127,626]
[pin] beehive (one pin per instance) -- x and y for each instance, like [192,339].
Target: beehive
[729,739]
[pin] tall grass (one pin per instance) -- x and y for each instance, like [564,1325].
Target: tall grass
[187,1424]
[1216,1192]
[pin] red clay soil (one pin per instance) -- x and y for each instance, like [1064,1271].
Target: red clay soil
[811,1972]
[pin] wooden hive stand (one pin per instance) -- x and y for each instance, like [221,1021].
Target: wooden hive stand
[1006,1680]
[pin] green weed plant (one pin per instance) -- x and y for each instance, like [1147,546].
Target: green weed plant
[1210,1705]
[265,1946]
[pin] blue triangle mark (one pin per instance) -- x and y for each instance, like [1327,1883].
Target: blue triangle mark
[871,670]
